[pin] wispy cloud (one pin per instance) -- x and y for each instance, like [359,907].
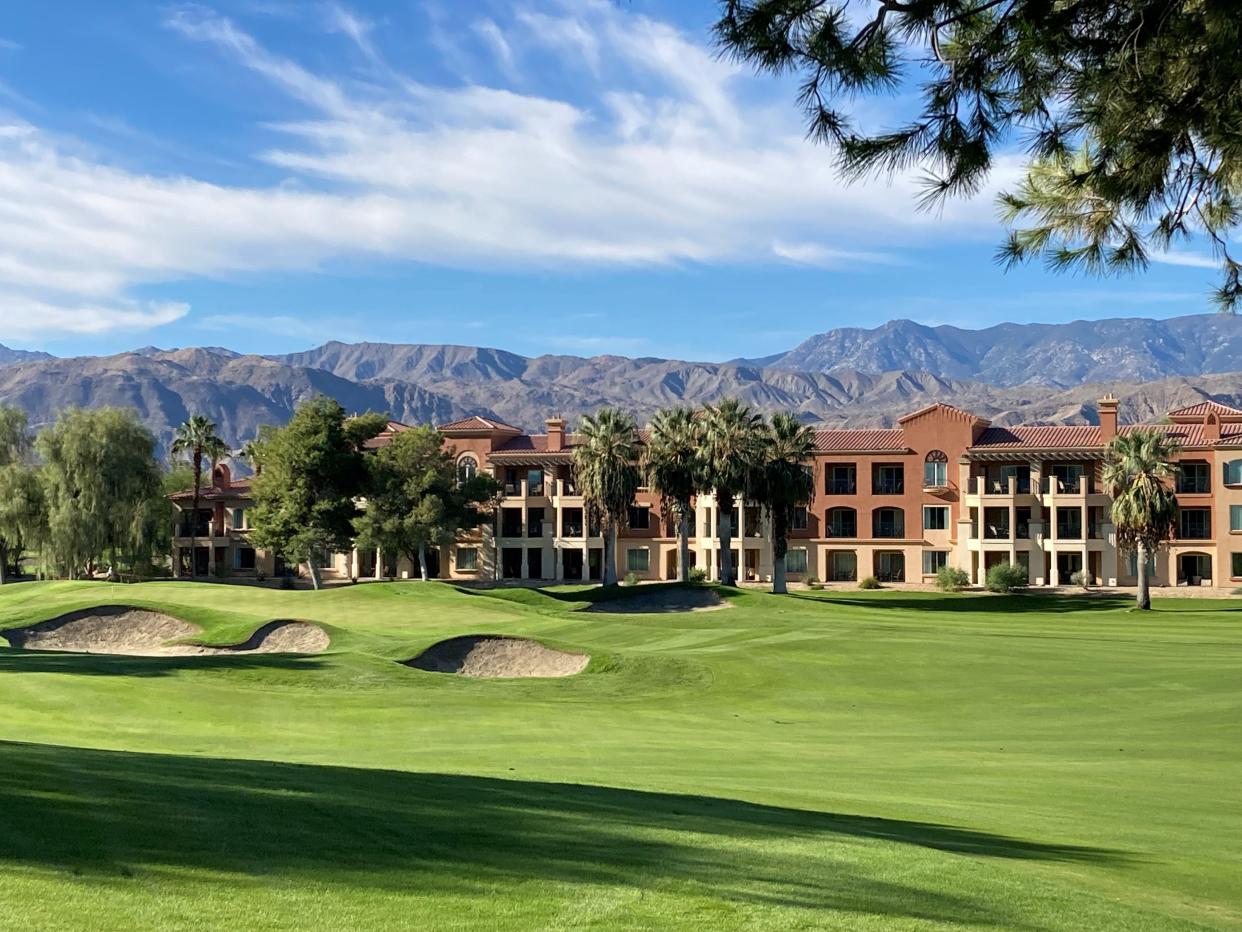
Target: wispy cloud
[668,161]
[1189,259]
[8,45]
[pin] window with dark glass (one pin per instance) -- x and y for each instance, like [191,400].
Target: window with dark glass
[511,522]
[888,522]
[571,522]
[843,566]
[935,518]
[1194,523]
[534,522]
[841,479]
[934,560]
[467,468]
[842,522]
[890,567]
[640,517]
[888,480]
[534,482]
[800,518]
[1194,479]
[1069,524]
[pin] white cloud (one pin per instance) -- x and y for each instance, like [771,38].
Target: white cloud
[656,162]
[8,45]
[1190,259]
[33,320]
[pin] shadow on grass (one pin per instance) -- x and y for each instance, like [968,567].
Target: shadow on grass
[562,594]
[985,604]
[45,661]
[105,813]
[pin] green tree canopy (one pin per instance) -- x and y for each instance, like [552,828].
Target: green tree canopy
[1139,469]
[23,518]
[415,499]
[102,484]
[606,464]
[312,471]
[1129,110]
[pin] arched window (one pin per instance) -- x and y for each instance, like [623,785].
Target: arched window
[467,468]
[888,522]
[841,522]
[936,470]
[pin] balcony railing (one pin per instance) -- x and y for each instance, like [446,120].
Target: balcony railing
[511,530]
[1194,485]
[889,487]
[842,530]
[886,529]
[572,529]
[1069,532]
[1054,486]
[996,532]
[842,487]
[1011,485]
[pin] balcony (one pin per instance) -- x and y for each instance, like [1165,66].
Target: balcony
[888,487]
[841,487]
[1051,485]
[996,532]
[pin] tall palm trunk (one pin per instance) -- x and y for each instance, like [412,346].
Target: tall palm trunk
[1144,584]
[610,553]
[198,486]
[683,546]
[724,533]
[780,546]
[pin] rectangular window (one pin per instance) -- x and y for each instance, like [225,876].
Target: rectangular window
[1233,472]
[1065,477]
[935,518]
[933,560]
[888,522]
[534,482]
[1069,524]
[571,522]
[935,475]
[1194,479]
[890,567]
[640,517]
[1235,517]
[511,522]
[800,518]
[1237,565]
[534,522]
[888,480]
[841,479]
[1194,523]
[637,559]
[467,558]
[843,566]
[239,519]
[795,560]
[842,522]
[243,558]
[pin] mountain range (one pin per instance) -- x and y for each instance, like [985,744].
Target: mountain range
[849,377]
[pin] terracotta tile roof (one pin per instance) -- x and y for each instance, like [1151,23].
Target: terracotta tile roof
[860,441]
[1043,437]
[1192,435]
[1204,407]
[238,487]
[474,422]
[383,438]
[533,443]
[941,407]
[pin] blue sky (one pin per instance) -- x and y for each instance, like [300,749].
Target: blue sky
[569,176]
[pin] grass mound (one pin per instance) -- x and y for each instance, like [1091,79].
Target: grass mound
[492,656]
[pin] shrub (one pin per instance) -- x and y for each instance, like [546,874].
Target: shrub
[697,575]
[951,579]
[812,582]
[631,578]
[1006,577]
[1081,578]
[869,583]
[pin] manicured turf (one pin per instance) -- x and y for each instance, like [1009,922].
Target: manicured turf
[878,761]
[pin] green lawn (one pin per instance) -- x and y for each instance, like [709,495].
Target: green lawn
[856,760]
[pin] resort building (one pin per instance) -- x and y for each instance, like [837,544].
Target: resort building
[942,487]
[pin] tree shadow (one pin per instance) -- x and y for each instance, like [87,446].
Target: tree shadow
[982,604]
[553,595]
[107,813]
[14,660]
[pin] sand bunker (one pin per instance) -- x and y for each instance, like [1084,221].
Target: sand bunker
[663,600]
[137,632]
[484,655]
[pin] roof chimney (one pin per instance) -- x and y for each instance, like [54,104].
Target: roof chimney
[1108,417]
[221,476]
[1211,426]
[556,433]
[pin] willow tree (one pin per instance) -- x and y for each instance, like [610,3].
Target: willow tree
[197,442]
[1139,470]
[101,483]
[23,517]
[785,482]
[1130,111]
[605,462]
[674,469]
[732,453]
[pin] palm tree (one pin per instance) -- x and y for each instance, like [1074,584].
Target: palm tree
[1138,474]
[196,439]
[785,482]
[673,468]
[604,462]
[732,450]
